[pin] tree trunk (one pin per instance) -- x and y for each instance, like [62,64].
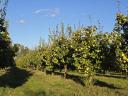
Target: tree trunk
[45,71]
[53,71]
[60,67]
[65,71]
[43,68]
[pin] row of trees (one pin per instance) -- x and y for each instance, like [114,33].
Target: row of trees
[85,50]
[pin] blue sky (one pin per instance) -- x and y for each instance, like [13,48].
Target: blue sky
[30,19]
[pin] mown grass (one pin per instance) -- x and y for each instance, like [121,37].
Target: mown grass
[36,83]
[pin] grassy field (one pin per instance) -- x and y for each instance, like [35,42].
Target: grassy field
[19,82]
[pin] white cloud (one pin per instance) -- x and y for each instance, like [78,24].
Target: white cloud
[48,12]
[38,11]
[22,21]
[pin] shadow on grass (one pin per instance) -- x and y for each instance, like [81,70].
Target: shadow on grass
[113,76]
[14,77]
[33,93]
[80,80]
[76,78]
[104,84]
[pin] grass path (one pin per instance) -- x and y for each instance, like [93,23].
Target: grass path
[37,83]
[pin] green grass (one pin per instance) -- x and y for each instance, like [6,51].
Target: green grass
[20,82]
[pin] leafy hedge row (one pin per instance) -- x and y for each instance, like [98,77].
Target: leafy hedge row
[84,50]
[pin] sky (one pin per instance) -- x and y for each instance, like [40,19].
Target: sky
[30,20]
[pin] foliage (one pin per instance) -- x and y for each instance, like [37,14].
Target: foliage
[84,50]
[7,51]
[122,21]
